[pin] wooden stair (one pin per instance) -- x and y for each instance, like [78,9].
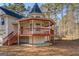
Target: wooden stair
[10,39]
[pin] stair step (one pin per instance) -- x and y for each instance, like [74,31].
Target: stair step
[11,39]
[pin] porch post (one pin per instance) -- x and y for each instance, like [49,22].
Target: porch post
[18,31]
[49,34]
[32,40]
[54,35]
[32,26]
[8,42]
[32,32]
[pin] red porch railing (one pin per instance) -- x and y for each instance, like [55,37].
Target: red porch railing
[10,39]
[40,30]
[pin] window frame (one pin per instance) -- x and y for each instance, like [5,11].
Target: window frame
[2,21]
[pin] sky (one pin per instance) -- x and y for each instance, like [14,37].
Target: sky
[32,4]
[26,4]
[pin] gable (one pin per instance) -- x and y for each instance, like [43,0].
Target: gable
[2,12]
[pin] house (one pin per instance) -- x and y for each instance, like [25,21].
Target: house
[35,29]
[7,19]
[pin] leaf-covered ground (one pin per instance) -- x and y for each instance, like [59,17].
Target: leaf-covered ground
[65,48]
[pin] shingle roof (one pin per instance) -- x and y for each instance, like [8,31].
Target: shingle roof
[36,9]
[11,13]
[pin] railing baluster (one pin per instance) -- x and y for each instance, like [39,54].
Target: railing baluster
[9,36]
[42,30]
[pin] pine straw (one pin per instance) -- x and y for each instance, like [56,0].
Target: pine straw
[65,48]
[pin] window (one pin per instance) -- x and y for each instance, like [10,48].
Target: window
[37,16]
[2,21]
[37,24]
[45,24]
[37,29]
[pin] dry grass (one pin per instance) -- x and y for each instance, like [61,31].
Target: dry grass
[65,48]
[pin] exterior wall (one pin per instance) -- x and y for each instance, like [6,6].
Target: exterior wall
[38,39]
[7,27]
[2,27]
[11,21]
[34,40]
[34,15]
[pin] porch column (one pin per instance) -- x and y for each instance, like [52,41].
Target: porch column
[49,34]
[49,29]
[18,31]
[32,31]
[54,34]
[32,26]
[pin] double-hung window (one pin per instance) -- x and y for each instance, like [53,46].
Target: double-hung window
[2,22]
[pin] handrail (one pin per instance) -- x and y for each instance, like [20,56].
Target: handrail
[8,37]
[36,28]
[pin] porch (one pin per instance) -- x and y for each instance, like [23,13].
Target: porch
[37,30]
[34,26]
[33,40]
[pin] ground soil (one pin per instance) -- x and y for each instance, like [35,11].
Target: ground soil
[59,48]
